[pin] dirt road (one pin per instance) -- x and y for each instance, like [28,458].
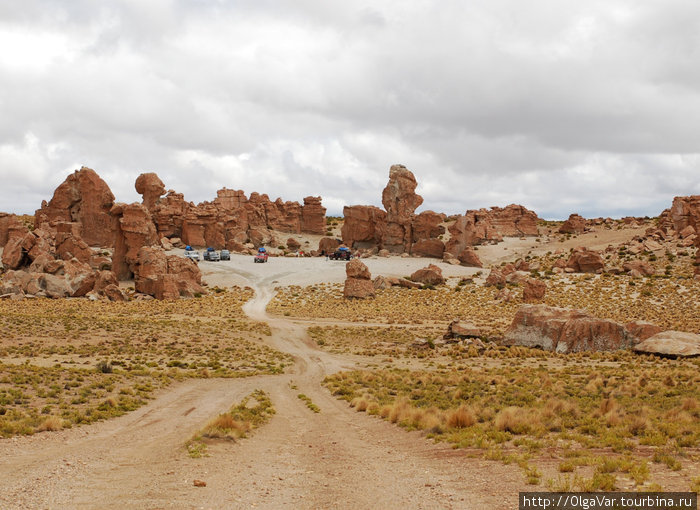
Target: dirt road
[337,458]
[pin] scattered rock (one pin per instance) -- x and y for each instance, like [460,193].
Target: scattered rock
[564,330]
[534,290]
[469,258]
[574,225]
[641,267]
[583,260]
[671,343]
[459,329]
[358,283]
[430,275]
[200,483]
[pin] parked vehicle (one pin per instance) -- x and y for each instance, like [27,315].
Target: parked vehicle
[225,255]
[342,253]
[192,254]
[211,255]
[261,256]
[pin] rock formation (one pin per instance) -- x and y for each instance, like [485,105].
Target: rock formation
[533,290]
[399,230]
[231,219]
[671,343]
[574,225]
[358,283]
[583,260]
[8,223]
[132,229]
[364,226]
[563,330]
[166,276]
[400,201]
[430,275]
[151,188]
[83,198]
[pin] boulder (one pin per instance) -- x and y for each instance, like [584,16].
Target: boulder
[408,284]
[358,288]
[564,330]
[641,330]
[469,258]
[496,278]
[357,269]
[459,329]
[671,343]
[583,260]
[687,232]
[574,225]
[114,293]
[651,245]
[430,275]
[642,267]
[534,290]
[293,244]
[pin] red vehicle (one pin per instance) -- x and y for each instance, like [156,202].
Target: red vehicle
[261,256]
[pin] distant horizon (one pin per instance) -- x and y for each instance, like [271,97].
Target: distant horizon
[135,197]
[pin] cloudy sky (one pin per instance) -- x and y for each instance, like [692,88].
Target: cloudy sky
[560,105]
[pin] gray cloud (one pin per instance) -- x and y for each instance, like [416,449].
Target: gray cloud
[590,107]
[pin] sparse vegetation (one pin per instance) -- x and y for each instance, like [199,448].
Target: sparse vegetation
[70,362]
[252,412]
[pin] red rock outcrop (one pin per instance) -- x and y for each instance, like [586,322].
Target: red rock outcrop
[514,221]
[151,188]
[400,201]
[583,260]
[8,223]
[364,226]
[83,198]
[484,225]
[230,219]
[166,276]
[574,225]
[132,228]
[685,212]
[427,230]
[430,275]
[313,216]
[563,330]
[358,283]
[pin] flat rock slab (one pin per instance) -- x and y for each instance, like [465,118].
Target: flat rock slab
[671,343]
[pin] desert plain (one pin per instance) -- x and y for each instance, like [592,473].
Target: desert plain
[269,386]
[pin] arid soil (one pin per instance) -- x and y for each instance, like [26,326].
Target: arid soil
[337,458]
[334,459]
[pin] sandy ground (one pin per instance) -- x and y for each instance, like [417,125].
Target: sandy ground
[335,459]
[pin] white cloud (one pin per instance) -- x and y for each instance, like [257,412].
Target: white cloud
[591,107]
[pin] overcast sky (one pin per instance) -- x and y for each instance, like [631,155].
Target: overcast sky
[560,105]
